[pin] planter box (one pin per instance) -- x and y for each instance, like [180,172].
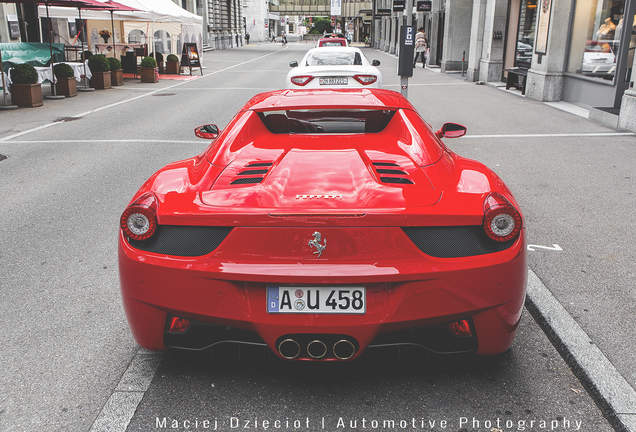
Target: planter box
[172,68]
[26,95]
[66,86]
[149,75]
[117,77]
[101,80]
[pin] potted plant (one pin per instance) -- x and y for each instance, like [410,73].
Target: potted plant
[149,71]
[66,84]
[25,90]
[100,68]
[116,72]
[172,64]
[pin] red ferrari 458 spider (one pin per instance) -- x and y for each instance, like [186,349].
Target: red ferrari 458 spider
[321,223]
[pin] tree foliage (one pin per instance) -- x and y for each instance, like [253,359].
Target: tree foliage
[321,25]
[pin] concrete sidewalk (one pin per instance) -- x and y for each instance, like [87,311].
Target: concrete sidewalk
[574,180]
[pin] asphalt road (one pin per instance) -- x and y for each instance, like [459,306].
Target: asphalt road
[69,363]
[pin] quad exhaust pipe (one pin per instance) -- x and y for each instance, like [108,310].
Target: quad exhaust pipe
[290,349]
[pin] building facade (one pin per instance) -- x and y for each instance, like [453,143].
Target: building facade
[577,51]
[223,23]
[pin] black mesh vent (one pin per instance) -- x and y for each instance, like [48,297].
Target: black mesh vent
[455,241]
[390,171]
[259,164]
[398,180]
[246,180]
[181,240]
[385,164]
[253,172]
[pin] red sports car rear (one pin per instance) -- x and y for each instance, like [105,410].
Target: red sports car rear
[320,223]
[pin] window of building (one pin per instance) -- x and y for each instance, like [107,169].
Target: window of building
[596,34]
[525,33]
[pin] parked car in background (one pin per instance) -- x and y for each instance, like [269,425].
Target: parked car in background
[599,60]
[334,67]
[331,42]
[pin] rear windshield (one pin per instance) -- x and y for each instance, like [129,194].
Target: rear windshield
[326,121]
[332,44]
[334,58]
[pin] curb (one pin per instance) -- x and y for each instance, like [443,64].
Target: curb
[611,392]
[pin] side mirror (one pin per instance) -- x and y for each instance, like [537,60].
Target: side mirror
[375,63]
[207,131]
[293,63]
[451,130]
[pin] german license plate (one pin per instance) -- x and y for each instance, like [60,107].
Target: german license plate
[332,300]
[333,81]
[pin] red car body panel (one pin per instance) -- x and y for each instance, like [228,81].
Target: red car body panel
[327,183]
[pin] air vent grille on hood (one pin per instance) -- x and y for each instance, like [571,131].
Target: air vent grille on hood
[249,175]
[393,175]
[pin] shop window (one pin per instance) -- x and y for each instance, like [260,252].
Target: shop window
[596,34]
[526,33]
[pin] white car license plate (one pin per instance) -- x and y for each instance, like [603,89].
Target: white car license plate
[333,81]
[343,300]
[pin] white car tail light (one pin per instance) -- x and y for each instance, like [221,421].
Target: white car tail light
[365,79]
[301,80]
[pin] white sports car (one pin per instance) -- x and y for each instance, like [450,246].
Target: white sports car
[338,67]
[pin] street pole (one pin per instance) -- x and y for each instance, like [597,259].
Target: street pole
[406,54]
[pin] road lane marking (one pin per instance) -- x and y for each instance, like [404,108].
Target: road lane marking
[556,135]
[555,247]
[123,402]
[608,387]
[565,135]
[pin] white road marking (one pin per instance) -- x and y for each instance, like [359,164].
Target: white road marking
[122,403]
[587,360]
[556,135]
[555,247]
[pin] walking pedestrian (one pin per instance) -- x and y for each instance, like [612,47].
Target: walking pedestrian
[247,38]
[421,45]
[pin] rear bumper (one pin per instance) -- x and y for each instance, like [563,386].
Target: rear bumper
[407,300]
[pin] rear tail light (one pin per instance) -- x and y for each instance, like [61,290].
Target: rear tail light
[502,222]
[461,328]
[139,220]
[178,325]
[301,80]
[365,79]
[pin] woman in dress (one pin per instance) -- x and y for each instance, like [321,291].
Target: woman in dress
[420,46]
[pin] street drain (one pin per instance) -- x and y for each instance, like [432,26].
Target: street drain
[164,94]
[3,157]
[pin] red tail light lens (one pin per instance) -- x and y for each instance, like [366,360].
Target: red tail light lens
[178,325]
[461,328]
[301,80]
[139,220]
[365,79]
[502,221]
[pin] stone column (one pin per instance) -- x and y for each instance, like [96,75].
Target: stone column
[627,115]
[457,28]
[477,39]
[491,63]
[545,77]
